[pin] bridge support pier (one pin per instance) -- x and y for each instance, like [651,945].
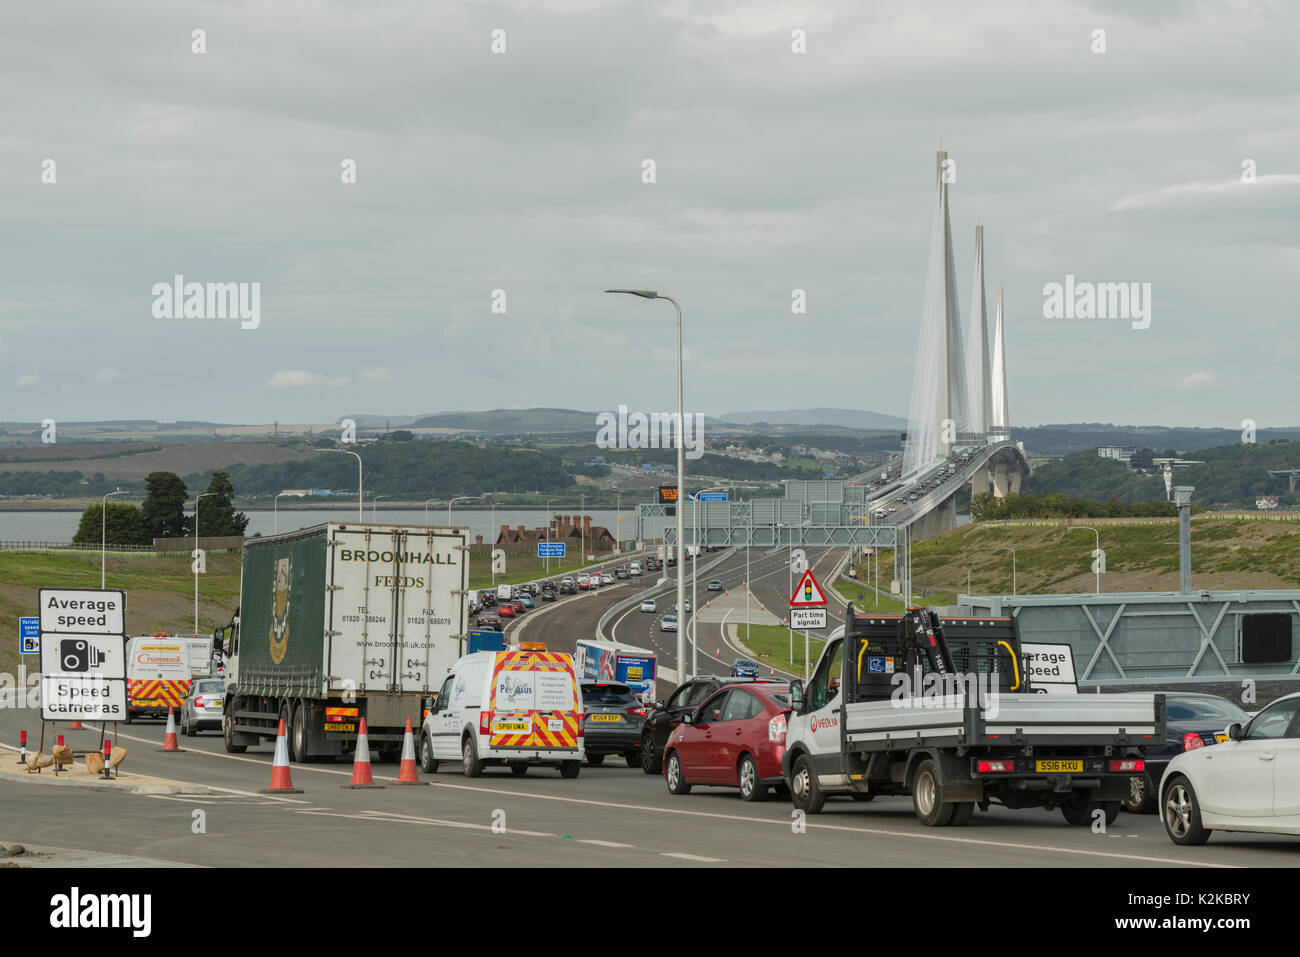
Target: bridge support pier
[1006,479]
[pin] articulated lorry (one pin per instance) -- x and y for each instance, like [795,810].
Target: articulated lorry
[341,622]
[938,708]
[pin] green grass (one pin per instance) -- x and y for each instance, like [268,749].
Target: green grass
[884,604]
[770,645]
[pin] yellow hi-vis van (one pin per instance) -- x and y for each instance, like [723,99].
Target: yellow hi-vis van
[519,708]
[158,675]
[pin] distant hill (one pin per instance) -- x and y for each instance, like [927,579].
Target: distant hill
[844,418]
[511,421]
[1052,440]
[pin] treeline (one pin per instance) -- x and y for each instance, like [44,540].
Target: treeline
[985,508]
[163,514]
[721,466]
[413,469]
[57,484]
[1086,475]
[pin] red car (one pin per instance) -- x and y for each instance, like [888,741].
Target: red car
[736,739]
[506,609]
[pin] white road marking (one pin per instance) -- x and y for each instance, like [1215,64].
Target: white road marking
[694,857]
[614,844]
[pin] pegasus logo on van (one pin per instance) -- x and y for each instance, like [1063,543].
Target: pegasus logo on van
[511,691]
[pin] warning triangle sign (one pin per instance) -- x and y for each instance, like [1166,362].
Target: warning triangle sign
[808,594]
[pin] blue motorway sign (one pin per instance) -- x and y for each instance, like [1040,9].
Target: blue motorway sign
[550,549]
[711,497]
[29,636]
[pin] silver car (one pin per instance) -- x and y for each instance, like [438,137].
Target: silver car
[202,708]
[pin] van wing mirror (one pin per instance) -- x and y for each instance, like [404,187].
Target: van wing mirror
[1234,731]
[796,696]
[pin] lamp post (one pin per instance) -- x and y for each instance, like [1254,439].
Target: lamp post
[681,466]
[428,502]
[275,511]
[459,498]
[548,536]
[361,509]
[582,532]
[103,536]
[374,508]
[1096,557]
[695,576]
[1008,548]
[196,567]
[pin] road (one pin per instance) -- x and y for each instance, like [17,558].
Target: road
[607,816]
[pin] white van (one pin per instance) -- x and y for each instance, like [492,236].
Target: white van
[634,568]
[518,708]
[158,675]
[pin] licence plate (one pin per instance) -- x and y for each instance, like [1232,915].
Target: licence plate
[334,726]
[1059,767]
[512,727]
[1220,738]
[603,717]
[215,704]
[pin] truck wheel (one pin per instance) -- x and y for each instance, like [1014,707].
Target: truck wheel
[595,760]
[929,809]
[651,763]
[427,763]
[751,789]
[962,813]
[1182,814]
[1077,809]
[1112,810]
[677,783]
[805,794]
[570,769]
[1140,799]
[228,732]
[298,735]
[469,762]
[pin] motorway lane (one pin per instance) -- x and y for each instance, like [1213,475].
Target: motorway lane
[607,816]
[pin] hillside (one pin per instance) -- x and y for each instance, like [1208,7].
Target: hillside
[1226,553]
[512,421]
[843,418]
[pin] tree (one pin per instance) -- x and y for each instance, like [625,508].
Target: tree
[402,435]
[124,525]
[164,505]
[217,515]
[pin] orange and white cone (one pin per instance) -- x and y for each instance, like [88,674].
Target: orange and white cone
[361,776]
[169,736]
[406,774]
[76,726]
[281,783]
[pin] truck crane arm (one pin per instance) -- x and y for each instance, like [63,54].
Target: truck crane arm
[919,631]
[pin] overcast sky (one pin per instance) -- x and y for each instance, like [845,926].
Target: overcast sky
[522,172]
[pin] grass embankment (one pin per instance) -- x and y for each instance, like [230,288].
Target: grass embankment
[770,645]
[1226,554]
[159,590]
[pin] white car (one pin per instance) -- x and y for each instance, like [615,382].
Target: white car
[668,623]
[649,605]
[607,579]
[1251,782]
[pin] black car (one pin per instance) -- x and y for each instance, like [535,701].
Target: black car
[567,589]
[1192,721]
[548,594]
[611,722]
[487,623]
[666,715]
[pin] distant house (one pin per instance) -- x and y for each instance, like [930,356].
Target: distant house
[1266,502]
[1124,455]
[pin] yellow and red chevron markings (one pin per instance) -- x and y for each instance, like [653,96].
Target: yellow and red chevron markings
[157,692]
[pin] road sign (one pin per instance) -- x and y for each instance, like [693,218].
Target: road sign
[1048,668]
[82,611]
[667,494]
[710,497]
[802,619]
[550,549]
[29,636]
[69,698]
[808,594]
[84,656]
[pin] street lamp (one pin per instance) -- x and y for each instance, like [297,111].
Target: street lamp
[1096,556]
[1008,548]
[196,567]
[432,501]
[681,466]
[459,498]
[275,506]
[374,508]
[103,535]
[361,510]
[548,536]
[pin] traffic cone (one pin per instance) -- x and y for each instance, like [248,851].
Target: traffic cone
[361,777]
[281,783]
[169,737]
[406,774]
[76,726]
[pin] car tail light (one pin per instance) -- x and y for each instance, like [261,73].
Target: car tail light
[485,722]
[1128,764]
[776,729]
[1004,766]
[637,712]
[198,702]
[1192,741]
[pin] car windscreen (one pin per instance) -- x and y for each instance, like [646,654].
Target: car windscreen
[607,695]
[208,687]
[1204,709]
